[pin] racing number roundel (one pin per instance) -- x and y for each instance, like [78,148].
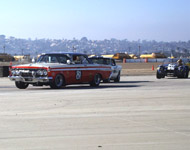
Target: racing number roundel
[78,74]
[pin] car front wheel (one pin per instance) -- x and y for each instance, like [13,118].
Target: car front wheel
[58,82]
[21,85]
[158,75]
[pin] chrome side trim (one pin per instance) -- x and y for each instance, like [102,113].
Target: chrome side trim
[87,69]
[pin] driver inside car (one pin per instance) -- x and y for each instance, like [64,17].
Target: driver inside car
[179,62]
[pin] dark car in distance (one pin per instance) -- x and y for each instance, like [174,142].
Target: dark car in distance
[172,68]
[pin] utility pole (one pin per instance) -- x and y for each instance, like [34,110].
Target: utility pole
[74,49]
[139,51]
[22,51]
[4,48]
[129,50]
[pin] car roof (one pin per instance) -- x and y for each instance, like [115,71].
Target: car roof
[70,53]
[100,57]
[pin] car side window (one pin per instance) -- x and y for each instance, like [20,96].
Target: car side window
[85,60]
[63,59]
[79,59]
[103,61]
[76,59]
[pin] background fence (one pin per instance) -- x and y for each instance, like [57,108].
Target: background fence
[4,71]
[144,60]
[161,60]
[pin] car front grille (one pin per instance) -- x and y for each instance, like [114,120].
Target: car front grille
[22,74]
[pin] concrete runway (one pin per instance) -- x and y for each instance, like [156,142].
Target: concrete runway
[139,113]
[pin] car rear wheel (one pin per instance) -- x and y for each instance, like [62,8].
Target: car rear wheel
[96,80]
[21,85]
[58,82]
[186,73]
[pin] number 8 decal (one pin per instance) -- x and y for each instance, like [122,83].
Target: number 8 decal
[78,74]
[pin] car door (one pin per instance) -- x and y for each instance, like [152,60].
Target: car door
[82,68]
[86,68]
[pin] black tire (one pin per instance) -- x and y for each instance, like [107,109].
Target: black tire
[106,80]
[96,80]
[1,71]
[158,75]
[186,74]
[21,85]
[58,82]
[118,78]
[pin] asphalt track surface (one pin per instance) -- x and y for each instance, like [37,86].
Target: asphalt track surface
[139,113]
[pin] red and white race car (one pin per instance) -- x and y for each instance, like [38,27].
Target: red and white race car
[58,70]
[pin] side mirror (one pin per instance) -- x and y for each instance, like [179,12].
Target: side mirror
[68,62]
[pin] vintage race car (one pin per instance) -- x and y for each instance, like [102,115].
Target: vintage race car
[171,68]
[187,62]
[116,69]
[58,70]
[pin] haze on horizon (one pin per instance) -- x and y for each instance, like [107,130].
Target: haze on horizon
[161,20]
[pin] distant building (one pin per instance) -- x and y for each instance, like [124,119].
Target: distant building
[22,57]
[152,56]
[6,57]
[133,56]
[121,56]
[118,56]
[108,56]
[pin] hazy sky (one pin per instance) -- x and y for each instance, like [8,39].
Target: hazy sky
[162,20]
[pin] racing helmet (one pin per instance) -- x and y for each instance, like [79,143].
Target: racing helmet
[179,61]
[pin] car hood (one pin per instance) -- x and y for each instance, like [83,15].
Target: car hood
[171,64]
[38,65]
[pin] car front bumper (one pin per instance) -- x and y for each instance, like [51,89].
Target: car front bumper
[30,79]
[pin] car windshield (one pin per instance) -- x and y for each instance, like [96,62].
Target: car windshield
[53,58]
[169,61]
[186,61]
[105,61]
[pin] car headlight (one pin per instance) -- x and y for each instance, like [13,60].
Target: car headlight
[13,72]
[33,73]
[17,72]
[45,73]
[40,72]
